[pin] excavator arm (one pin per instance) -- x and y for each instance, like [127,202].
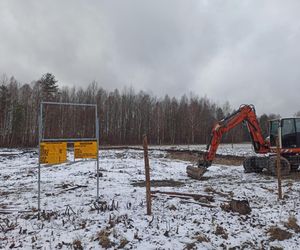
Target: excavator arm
[246,113]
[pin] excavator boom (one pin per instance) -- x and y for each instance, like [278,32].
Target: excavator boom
[246,113]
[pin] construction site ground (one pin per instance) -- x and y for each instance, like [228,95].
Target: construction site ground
[186,213]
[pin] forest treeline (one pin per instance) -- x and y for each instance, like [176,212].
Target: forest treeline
[124,116]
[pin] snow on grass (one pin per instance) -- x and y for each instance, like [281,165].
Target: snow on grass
[73,217]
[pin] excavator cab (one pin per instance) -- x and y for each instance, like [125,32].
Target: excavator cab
[289,130]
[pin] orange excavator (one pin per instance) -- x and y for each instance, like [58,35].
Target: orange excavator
[286,130]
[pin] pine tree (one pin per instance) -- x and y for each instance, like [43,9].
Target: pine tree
[49,88]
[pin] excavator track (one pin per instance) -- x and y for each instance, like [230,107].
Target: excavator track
[255,164]
[284,163]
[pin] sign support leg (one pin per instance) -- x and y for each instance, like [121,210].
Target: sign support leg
[97,135]
[39,192]
[97,176]
[39,166]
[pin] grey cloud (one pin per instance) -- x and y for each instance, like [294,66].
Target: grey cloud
[240,51]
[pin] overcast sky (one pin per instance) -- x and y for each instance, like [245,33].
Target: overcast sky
[237,51]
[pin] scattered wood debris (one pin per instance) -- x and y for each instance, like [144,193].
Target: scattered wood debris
[277,233]
[292,224]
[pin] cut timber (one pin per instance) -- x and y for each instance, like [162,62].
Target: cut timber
[72,188]
[194,196]
[195,172]
[10,211]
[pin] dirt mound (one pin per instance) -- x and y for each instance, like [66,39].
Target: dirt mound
[194,156]
[239,206]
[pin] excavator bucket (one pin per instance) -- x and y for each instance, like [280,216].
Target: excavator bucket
[196,172]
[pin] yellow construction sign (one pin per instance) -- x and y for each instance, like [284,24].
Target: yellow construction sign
[87,149]
[53,152]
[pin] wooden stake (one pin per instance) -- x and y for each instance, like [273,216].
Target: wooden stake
[147,175]
[278,170]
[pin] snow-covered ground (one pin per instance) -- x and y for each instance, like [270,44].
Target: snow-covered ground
[72,218]
[223,149]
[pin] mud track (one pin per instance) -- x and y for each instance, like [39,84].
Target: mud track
[188,155]
[193,156]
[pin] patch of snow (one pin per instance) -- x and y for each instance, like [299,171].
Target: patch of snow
[75,215]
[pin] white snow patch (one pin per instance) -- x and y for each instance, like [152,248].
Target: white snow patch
[121,208]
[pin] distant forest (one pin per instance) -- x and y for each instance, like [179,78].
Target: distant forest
[124,115]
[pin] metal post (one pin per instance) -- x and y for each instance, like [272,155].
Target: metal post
[39,165]
[97,136]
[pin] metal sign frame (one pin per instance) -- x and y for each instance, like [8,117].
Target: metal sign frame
[70,140]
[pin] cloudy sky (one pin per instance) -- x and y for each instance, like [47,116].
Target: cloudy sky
[241,51]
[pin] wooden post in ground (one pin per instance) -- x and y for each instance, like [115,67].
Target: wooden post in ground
[147,175]
[278,166]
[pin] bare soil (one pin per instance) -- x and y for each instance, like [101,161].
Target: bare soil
[186,155]
[194,157]
[159,183]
